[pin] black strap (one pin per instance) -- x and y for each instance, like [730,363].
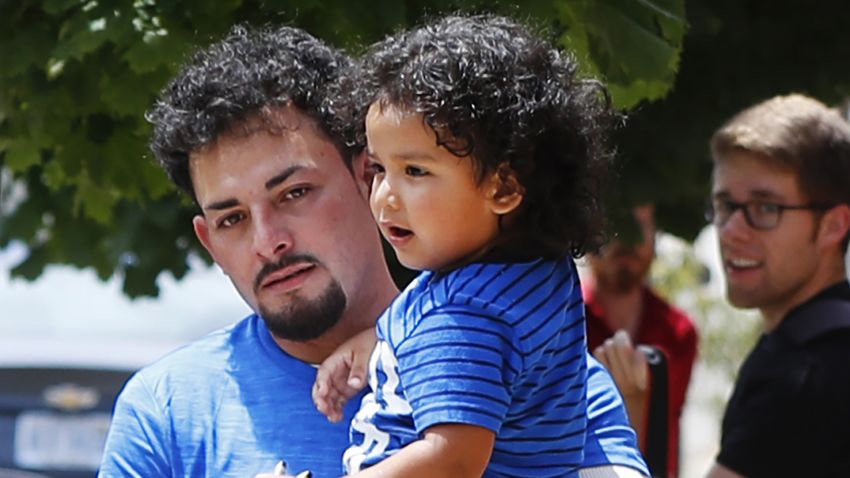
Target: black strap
[817,318]
[656,420]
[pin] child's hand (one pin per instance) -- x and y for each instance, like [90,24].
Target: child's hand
[343,374]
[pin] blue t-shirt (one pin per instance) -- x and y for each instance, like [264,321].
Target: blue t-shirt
[229,405]
[610,438]
[500,346]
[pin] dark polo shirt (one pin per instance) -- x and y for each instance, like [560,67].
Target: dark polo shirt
[789,414]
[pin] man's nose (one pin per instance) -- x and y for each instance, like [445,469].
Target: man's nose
[271,235]
[736,227]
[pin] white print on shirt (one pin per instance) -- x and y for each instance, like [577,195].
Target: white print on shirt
[375,441]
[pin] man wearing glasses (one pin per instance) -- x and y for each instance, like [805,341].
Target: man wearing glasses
[781,204]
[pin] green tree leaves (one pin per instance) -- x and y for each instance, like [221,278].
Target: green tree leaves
[78,75]
[634,45]
[21,154]
[735,55]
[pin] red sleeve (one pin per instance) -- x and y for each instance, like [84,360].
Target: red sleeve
[669,329]
[683,353]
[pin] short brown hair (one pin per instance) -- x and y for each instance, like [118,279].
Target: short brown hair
[799,134]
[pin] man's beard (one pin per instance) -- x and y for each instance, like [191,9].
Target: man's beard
[306,319]
[302,319]
[623,280]
[617,277]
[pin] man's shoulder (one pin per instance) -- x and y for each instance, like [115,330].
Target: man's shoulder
[195,361]
[823,319]
[216,342]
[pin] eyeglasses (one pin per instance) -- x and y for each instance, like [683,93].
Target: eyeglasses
[762,215]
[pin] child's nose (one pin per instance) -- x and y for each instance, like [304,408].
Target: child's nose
[384,195]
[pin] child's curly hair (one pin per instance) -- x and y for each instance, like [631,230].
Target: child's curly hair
[493,91]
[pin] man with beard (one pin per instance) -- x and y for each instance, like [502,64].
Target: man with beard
[258,130]
[249,130]
[622,310]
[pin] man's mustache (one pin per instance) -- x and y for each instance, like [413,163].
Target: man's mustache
[286,261]
[618,250]
[625,252]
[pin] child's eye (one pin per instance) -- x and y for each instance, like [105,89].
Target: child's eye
[415,171]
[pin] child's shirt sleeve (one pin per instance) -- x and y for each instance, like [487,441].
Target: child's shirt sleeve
[459,365]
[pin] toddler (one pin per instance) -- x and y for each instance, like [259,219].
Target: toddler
[487,153]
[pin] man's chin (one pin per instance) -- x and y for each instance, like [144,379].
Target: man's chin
[293,332]
[306,319]
[622,283]
[742,299]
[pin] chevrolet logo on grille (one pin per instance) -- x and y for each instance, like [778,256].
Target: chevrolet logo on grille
[71,397]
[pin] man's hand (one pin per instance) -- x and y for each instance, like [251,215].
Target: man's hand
[627,364]
[343,374]
[630,370]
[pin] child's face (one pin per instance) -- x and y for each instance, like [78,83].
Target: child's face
[427,201]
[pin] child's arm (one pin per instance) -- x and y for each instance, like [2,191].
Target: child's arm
[343,374]
[446,451]
[451,450]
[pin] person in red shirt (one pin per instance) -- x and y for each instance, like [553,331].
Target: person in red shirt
[623,310]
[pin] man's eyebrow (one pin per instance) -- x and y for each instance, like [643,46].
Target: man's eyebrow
[269,185]
[282,176]
[765,194]
[220,205]
[756,193]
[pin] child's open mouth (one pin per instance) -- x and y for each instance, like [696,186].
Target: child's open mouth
[399,232]
[398,235]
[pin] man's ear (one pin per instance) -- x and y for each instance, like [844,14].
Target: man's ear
[362,175]
[505,193]
[834,225]
[202,231]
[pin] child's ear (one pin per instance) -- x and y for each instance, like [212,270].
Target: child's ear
[505,191]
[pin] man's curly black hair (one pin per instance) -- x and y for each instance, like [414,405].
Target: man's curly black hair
[495,92]
[244,77]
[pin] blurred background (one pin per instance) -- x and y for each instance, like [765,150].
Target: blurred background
[100,270]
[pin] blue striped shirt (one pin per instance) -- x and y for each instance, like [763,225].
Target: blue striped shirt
[501,346]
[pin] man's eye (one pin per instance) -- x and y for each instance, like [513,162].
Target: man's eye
[415,171]
[721,207]
[230,220]
[374,168]
[296,193]
[766,208]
